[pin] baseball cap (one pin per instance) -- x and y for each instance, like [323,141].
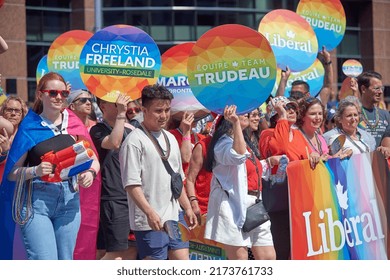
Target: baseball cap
[330,114]
[283,99]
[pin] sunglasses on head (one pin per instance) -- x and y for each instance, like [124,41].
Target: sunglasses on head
[133,110]
[54,92]
[83,100]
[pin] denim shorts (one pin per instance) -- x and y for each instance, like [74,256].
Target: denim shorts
[155,244]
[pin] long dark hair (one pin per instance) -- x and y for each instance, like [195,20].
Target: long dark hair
[252,145]
[223,128]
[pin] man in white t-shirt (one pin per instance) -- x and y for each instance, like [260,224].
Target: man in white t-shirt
[147,182]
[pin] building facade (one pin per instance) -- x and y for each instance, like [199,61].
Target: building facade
[30,26]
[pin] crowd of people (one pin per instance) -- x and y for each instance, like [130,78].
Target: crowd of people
[139,150]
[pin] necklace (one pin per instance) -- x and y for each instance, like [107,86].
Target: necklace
[366,120]
[319,149]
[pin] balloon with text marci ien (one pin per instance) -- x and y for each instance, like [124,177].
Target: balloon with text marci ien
[174,77]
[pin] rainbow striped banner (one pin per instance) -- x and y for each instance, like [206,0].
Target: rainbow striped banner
[339,210]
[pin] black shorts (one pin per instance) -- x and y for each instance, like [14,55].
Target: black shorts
[114,226]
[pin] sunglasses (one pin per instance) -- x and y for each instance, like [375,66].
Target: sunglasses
[133,110]
[54,92]
[289,106]
[83,100]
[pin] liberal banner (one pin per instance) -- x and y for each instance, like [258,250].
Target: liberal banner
[339,210]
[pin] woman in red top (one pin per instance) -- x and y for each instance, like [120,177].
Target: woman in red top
[303,141]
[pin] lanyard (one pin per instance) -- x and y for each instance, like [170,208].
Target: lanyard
[354,143]
[311,144]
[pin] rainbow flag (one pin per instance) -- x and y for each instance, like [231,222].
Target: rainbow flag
[339,210]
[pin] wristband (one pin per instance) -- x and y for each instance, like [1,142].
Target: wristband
[34,172]
[93,171]
[328,63]
[184,138]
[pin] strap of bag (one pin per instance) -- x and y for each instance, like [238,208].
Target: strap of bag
[159,148]
[253,160]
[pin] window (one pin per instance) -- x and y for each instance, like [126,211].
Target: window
[184,26]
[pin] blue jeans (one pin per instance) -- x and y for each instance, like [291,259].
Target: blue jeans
[51,232]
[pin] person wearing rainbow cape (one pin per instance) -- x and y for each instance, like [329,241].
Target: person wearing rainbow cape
[44,215]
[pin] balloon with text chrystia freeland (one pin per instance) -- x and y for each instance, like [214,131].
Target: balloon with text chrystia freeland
[119,59]
[231,65]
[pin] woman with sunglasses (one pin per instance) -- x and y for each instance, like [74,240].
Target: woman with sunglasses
[234,186]
[304,141]
[48,212]
[134,113]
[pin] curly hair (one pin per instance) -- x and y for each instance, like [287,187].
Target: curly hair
[304,106]
[152,92]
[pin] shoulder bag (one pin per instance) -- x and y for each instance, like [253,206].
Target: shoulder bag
[176,180]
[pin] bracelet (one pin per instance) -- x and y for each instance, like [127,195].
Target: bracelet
[191,196]
[121,118]
[93,171]
[34,172]
[184,138]
[194,199]
[328,63]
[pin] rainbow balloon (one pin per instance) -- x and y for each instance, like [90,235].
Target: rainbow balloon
[327,18]
[42,68]
[64,55]
[345,89]
[173,76]
[314,76]
[119,59]
[292,39]
[231,64]
[352,68]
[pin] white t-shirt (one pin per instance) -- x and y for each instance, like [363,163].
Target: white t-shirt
[141,164]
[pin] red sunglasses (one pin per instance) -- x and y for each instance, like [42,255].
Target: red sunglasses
[133,110]
[54,92]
